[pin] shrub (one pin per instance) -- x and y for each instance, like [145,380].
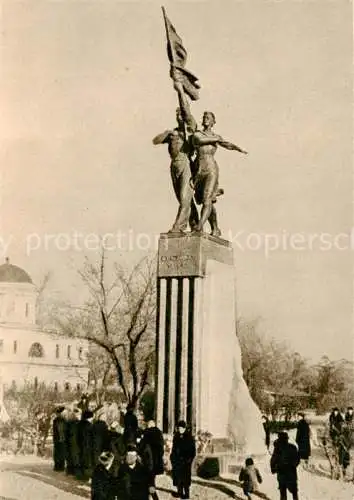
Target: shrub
[209,468]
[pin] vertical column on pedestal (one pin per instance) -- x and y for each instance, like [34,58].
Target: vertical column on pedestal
[160,349]
[166,377]
[193,349]
[172,387]
[179,353]
[184,350]
[198,302]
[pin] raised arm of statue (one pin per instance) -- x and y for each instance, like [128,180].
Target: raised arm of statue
[183,101]
[186,111]
[162,138]
[231,147]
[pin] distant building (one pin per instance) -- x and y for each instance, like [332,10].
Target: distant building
[28,354]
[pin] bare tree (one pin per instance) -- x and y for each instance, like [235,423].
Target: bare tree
[118,318]
[334,383]
[41,299]
[271,367]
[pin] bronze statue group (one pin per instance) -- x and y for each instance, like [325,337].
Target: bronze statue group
[122,460]
[194,171]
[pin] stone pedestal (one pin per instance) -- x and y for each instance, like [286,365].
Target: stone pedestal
[199,375]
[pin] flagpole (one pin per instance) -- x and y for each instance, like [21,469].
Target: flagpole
[173,57]
[168,35]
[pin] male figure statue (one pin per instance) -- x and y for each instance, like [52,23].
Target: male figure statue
[180,150]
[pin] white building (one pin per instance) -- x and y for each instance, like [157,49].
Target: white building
[28,354]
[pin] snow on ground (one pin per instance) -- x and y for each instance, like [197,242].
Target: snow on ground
[28,478]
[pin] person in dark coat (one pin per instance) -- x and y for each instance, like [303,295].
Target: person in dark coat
[59,431]
[335,424]
[103,485]
[152,451]
[86,446]
[83,404]
[284,462]
[349,414]
[266,427]
[134,481]
[130,426]
[72,443]
[182,456]
[117,447]
[303,434]
[100,437]
[344,445]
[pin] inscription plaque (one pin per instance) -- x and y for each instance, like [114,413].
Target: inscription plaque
[186,255]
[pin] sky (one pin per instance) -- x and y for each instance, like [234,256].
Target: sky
[84,88]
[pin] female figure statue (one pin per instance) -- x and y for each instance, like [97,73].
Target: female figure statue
[206,171]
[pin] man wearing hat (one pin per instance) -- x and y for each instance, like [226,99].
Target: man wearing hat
[284,462]
[103,485]
[86,445]
[182,456]
[134,480]
[59,428]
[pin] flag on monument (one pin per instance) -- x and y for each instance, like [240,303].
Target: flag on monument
[177,56]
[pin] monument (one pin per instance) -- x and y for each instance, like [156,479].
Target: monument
[199,373]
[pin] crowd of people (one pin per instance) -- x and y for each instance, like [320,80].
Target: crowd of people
[120,460]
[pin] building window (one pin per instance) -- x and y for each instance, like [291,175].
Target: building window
[15,346]
[80,353]
[78,387]
[27,310]
[1,346]
[36,382]
[69,351]
[36,351]
[57,351]
[67,386]
[56,386]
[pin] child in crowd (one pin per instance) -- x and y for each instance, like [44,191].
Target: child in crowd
[250,478]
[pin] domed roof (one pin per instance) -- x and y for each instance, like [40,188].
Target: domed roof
[13,274]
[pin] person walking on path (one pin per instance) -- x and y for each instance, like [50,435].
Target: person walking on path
[284,462]
[303,435]
[266,427]
[250,478]
[182,456]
